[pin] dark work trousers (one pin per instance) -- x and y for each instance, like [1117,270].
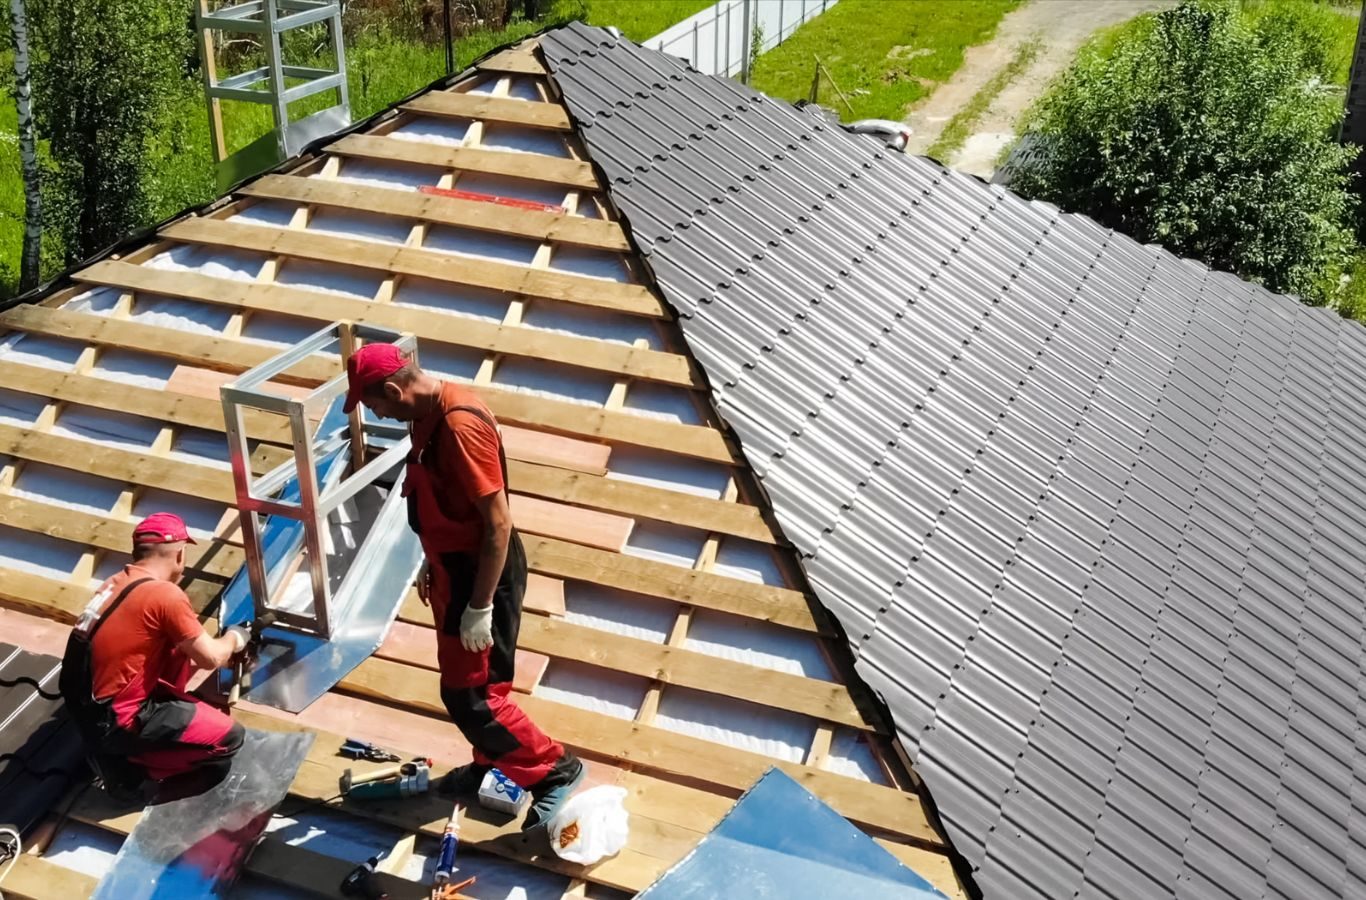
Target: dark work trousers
[476,687]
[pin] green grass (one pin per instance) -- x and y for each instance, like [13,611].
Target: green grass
[961,125]
[883,54]
[380,71]
[641,20]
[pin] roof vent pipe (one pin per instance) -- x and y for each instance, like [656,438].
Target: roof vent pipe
[896,133]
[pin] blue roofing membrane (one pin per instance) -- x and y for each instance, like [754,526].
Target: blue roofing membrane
[1091,515]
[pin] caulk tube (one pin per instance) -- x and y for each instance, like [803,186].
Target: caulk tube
[445,864]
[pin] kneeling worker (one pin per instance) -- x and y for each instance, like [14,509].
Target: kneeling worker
[475,576]
[127,663]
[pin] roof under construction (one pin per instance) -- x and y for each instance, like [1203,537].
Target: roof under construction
[670,637]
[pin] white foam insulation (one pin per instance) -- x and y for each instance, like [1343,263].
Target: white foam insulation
[592,688]
[433,130]
[220,262]
[591,323]
[523,140]
[40,350]
[481,244]
[276,213]
[659,469]
[363,226]
[620,612]
[67,487]
[183,315]
[591,263]
[533,376]
[672,544]
[664,402]
[38,554]
[477,303]
[380,173]
[329,278]
[757,643]
[18,408]
[749,561]
[852,755]
[133,368]
[515,188]
[738,723]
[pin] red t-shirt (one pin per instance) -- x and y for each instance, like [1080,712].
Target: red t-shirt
[463,461]
[135,647]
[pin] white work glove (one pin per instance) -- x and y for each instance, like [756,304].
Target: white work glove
[476,628]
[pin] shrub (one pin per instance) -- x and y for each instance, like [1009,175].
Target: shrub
[1210,137]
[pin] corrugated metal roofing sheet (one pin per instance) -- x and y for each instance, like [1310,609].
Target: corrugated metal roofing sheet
[40,751]
[1089,513]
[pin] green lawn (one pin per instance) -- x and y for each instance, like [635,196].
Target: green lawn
[883,54]
[641,20]
[380,70]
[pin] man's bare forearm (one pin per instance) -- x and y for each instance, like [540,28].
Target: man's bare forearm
[493,554]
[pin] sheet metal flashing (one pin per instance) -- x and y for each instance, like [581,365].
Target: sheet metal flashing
[1090,514]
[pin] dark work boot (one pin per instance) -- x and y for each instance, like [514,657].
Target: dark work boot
[462,780]
[551,792]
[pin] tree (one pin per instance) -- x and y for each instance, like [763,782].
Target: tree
[31,260]
[105,74]
[1209,138]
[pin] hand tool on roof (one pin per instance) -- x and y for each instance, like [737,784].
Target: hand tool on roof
[360,881]
[452,891]
[415,767]
[362,750]
[245,661]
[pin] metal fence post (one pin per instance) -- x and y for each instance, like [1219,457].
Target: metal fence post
[746,38]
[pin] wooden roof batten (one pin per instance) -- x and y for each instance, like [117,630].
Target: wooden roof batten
[679,785]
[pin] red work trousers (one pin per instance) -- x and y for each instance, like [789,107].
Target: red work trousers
[477,687]
[178,733]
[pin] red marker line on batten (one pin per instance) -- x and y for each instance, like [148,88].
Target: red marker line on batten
[492,198]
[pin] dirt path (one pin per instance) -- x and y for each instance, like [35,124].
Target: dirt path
[1062,26]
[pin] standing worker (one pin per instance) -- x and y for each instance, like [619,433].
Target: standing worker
[475,573]
[128,661]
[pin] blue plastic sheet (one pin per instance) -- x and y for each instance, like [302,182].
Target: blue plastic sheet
[780,841]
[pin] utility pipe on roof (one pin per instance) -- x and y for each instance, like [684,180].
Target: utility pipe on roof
[896,133]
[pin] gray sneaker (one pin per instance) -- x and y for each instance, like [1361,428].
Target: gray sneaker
[552,791]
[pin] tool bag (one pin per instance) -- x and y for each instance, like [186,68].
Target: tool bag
[94,718]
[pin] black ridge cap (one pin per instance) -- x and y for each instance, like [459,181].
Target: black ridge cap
[1066,716]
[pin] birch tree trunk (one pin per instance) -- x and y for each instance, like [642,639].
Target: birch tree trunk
[28,152]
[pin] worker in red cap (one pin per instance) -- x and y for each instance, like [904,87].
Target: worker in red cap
[127,664]
[475,575]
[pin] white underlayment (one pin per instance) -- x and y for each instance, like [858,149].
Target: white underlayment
[851,755]
[394,175]
[589,687]
[620,612]
[654,467]
[737,723]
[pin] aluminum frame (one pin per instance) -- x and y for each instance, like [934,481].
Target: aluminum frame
[257,496]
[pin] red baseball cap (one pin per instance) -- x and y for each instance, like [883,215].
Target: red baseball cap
[161,528]
[369,365]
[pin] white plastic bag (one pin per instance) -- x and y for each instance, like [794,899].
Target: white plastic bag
[590,826]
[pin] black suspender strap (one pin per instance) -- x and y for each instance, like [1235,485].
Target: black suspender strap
[104,616]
